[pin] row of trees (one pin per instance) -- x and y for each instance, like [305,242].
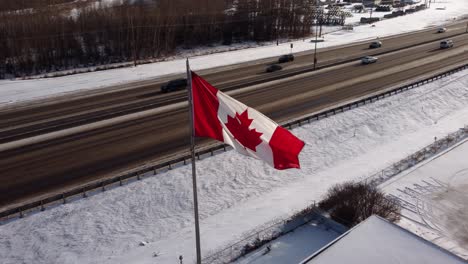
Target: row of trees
[17,5]
[51,37]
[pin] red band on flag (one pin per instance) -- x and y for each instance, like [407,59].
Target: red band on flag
[205,107]
[286,148]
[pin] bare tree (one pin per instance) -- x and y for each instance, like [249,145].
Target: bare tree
[350,203]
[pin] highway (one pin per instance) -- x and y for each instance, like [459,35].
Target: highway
[83,150]
[26,120]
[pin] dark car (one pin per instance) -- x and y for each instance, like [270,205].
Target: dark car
[273,68]
[375,44]
[445,44]
[441,30]
[286,58]
[174,85]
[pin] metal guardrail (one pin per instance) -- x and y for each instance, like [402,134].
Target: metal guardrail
[178,160]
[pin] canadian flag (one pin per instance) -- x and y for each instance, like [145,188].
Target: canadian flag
[218,116]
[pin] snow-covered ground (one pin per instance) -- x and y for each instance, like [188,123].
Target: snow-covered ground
[22,90]
[236,194]
[435,199]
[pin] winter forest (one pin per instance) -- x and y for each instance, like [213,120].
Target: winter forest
[63,34]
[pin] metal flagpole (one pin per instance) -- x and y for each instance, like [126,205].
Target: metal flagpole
[194,171]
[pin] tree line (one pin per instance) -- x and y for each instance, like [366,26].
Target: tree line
[48,38]
[17,5]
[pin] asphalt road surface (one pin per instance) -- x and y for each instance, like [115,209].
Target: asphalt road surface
[26,120]
[46,163]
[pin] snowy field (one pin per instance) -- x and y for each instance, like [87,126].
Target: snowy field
[237,194]
[435,200]
[22,90]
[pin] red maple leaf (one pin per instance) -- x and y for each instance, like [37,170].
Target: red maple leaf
[239,128]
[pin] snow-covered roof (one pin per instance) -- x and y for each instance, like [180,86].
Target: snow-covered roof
[378,241]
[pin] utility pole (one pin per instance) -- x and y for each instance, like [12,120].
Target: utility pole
[134,42]
[321,23]
[277,24]
[316,33]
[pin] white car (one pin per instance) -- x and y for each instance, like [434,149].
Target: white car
[368,60]
[441,30]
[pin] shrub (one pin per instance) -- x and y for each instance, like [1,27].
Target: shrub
[350,203]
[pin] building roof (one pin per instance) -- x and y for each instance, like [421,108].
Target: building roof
[376,240]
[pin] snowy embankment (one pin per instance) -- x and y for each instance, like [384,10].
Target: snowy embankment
[23,90]
[236,193]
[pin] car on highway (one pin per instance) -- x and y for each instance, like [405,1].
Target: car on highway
[285,58]
[441,30]
[174,85]
[445,44]
[375,44]
[273,68]
[368,59]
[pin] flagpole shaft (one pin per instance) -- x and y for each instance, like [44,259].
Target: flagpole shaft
[194,171]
